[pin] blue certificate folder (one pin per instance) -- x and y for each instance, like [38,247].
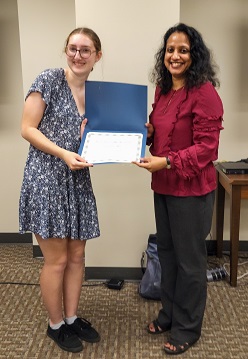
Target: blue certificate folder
[115,107]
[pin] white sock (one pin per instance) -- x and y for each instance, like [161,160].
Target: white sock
[70,320]
[57,326]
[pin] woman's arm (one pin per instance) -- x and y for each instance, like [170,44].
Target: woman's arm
[207,110]
[32,114]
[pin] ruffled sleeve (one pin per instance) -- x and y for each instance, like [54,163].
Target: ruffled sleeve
[207,111]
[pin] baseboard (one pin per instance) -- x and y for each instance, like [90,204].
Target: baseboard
[104,273]
[27,238]
[212,246]
[15,238]
[37,251]
[18,238]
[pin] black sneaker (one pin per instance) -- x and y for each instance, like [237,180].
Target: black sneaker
[65,338]
[84,330]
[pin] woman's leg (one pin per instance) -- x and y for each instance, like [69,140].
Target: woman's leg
[190,222]
[51,282]
[73,276]
[73,279]
[167,260]
[51,279]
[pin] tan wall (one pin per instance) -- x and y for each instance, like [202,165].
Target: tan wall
[32,36]
[224,25]
[43,27]
[131,32]
[12,147]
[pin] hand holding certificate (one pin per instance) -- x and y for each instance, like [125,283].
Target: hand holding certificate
[115,131]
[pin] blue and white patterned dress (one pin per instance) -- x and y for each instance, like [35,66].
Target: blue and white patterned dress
[55,201]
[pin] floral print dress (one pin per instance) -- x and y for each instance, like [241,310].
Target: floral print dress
[55,201]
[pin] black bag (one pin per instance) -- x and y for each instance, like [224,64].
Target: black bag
[150,285]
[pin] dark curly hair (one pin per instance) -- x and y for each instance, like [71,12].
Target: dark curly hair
[201,70]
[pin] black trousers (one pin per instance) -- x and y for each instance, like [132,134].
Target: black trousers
[183,224]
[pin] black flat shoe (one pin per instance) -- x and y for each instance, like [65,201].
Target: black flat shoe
[84,330]
[65,339]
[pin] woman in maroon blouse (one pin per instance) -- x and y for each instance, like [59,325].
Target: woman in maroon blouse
[183,132]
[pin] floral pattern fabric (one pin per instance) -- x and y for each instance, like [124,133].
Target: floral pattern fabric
[55,201]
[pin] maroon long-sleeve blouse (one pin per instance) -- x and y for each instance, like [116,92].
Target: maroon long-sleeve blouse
[187,127]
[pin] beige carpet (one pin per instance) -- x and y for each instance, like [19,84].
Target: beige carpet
[120,316]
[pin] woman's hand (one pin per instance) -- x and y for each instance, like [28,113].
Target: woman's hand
[150,129]
[152,164]
[83,124]
[74,161]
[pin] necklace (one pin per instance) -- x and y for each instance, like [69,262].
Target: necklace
[174,92]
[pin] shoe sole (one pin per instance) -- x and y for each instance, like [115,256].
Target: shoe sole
[88,340]
[72,350]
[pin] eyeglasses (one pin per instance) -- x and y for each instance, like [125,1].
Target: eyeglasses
[84,53]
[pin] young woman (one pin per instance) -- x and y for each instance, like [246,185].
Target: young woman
[183,131]
[57,202]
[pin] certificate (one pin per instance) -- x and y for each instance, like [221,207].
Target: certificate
[107,147]
[116,114]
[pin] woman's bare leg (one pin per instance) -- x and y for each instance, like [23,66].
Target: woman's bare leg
[73,276]
[51,279]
